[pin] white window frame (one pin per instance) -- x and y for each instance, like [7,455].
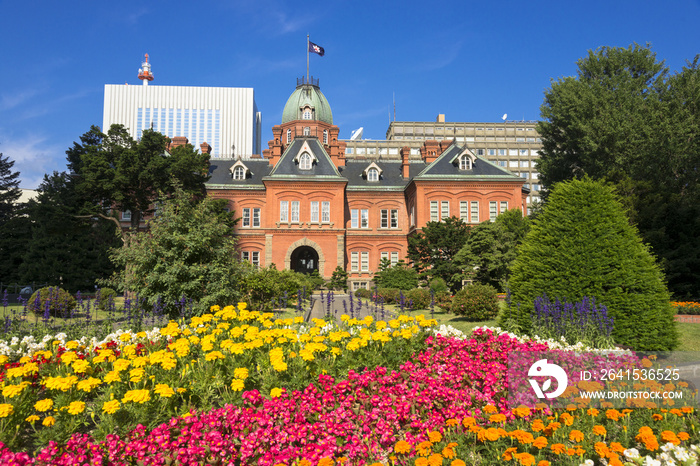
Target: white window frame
[289,136]
[444,210]
[307,131]
[245,255]
[239,173]
[305,161]
[256,217]
[325,212]
[354,261]
[364,261]
[394,258]
[384,218]
[475,212]
[314,212]
[464,211]
[493,210]
[364,218]
[255,258]
[284,211]
[126,215]
[354,218]
[295,212]
[372,174]
[503,207]
[465,163]
[245,223]
[434,212]
[393,218]
[325,136]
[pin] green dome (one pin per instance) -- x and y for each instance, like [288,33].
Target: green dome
[307,95]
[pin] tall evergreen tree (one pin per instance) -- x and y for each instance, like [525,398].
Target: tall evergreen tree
[583,245]
[14,225]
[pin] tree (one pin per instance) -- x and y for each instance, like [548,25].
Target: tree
[491,249]
[584,246]
[433,249]
[188,251]
[400,276]
[64,248]
[113,170]
[339,279]
[626,120]
[13,223]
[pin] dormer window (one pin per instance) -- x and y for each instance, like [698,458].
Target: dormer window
[465,163]
[305,161]
[373,174]
[289,136]
[325,136]
[307,131]
[239,173]
[464,159]
[306,115]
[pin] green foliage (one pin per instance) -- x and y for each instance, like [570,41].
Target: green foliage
[131,174]
[583,245]
[438,285]
[363,293]
[433,249]
[420,297]
[189,251]
[444,301]
[14,226]
[107,295]
[491,249]
[401,276]
[264,285]
[476,302]
[626,120]
[389,295]
[339,279]
[59,302]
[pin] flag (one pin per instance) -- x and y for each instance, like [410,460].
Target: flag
[316,49]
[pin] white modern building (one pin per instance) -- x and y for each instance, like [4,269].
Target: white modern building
[226,118]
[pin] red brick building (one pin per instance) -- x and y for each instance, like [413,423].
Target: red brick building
[304,205]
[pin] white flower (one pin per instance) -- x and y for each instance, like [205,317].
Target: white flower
[631,453]
[587,463]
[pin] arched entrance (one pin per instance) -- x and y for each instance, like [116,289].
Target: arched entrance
[304,260]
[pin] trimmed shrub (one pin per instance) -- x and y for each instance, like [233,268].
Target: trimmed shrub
[57,300]
[401,276]
[390,295]
[420,298]
[363,293]
[476,302]
[444,301]
[105,296]
[438,285]
[583,245]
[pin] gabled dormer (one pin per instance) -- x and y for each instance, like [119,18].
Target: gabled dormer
[239,171]
[372,173]
[464,160]
[305,158]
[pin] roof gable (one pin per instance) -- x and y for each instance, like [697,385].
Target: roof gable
[289,164]
[447,166]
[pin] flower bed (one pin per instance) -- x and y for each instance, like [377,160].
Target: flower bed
[195,398]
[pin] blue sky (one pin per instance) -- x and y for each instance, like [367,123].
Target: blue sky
[473,61]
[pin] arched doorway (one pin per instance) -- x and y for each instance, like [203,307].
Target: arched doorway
[304,260]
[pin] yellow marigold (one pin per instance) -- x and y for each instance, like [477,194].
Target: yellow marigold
[80,366]
[61,383]
[214,355]
[68,357]
[111,406]
[434,436]
[48,421]
[240,373]
[32,419]
[6,409]
[43,405]
[164,390]
[237,385]
[402,447]
[468,421]
[599,430]
[89,384]
[276,392]
[11,391]
[76,407]
[497,418]
[137,396]
[135,375]
[112,376]
[576,436]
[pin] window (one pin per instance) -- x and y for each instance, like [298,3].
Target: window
[307,114]
[246,218]
[502,163]
[126,215]
[434,211]
[501,152]
[245,255]
[394,258]
[295,211]
[289,136]
[354,261]
[364,262]
[504,206]
[256,217]
[413,216]
[326,212]
[357,285]
[480,152]
[255,258]
[305,161]
[325,136]
[513,164]
[465,162]
[524,163]
[493,205]
[364,218]
[389,218]
[359,218]
[464,211]
[492,151]
[314,211]
[354,219]
[394,218]
[284,211]
[373,174]
[238,173]
[307,131]
[522,151]
[475,211]
[445,209]
[384,256]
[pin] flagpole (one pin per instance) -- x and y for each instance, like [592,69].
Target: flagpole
[307,58]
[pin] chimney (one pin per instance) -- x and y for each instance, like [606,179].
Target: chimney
[177,141]
[205,148]
[405,152]
[429,151]
[440,118]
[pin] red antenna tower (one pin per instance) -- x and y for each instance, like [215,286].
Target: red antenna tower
[145,74]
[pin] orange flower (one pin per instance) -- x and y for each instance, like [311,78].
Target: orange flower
[490,409]
[683,436]
[468,421]
[451,422]
[613,414]
[422,462]
[602,449]
[571,407]
[497,418]
[558,448]
[537,425]
[669,437]
[657,416]
[488,434]
[567,419]
[327,461]
[576,436]
[435,459]
[614,460]
[402,446]
[540,443]
[448,452]
[424,448]
[508,454]
[599,430]
[543,463]
[521,411]
[458,463]
[435,436]
[687,409]
[592,412]
[617,447]
[526,459]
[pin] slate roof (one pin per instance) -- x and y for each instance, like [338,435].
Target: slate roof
[220,173]
[390,178]
[323,167]
[444,168]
